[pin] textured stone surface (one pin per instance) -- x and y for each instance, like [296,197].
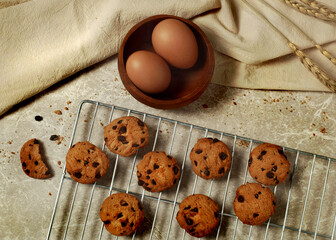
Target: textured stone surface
[300,120]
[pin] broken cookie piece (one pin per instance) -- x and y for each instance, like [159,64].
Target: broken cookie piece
[32,162]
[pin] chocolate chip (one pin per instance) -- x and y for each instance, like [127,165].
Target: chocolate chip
[250,162]
[261,154]
[29,156]
[122,130]
[98,175]
[139,174]
[215,140]
[132,209]
[149,171]
[27,171]
[175,181]
[132,224]
[259,193]
[120,121]
[276,180]
[105,139]
[262,169]
[107,222]
[240,199]
[140,182]
[192,230]
[135,145]
[216,214]
[116,148]
[123,224]
[36,172]
[156,166]
[221,170]
[222,156]
[47,172]
[120,215]
[170,157]
[273,203]
[187,207]
[148,177]
[147,188]
[36,163]
[86,162]
[95,164]
[198,151]
[169,165]
[54,137]
[189,221]
[123,203]
[206,172]
[38,118]
[24,165]
[77,175]
[270,175]
[255,215]
[122,139]
[194,209]
[114,127]
[36,141]
[142,140]
[195,162]
[256,196]
[204,157]
[176,170]
[274,168]
[153,181]
[280,151]
[140,123]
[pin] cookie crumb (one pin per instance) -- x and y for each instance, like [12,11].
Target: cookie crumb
[59,162]
[10,142]
[49,193]
[85,120]
[66,108]
[323,130]
[234,103]
[58,112]
[12,152]
[54,137]
[38,118]
[68,102]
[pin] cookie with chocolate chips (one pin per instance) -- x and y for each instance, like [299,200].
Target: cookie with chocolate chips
[157,171]
[198,215]
[86,163]
[268,164]
[254,204]
[122,214]
[125,135]
[31,160]
[210,158]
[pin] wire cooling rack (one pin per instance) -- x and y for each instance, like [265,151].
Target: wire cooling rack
[305,201]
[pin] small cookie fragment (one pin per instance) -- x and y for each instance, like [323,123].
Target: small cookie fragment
[198,215]
[268,164]
[31,160]
[254,204]
[86,163]
[210,158]
[125,135]
[157,171]
[122,214]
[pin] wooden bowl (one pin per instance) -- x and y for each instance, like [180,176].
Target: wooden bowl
[186,85]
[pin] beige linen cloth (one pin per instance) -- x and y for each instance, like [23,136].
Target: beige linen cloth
[45,41]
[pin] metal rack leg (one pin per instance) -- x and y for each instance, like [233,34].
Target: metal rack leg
[334,229]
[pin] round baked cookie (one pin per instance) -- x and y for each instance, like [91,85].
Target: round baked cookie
[86,163]
[254,204]
[210,158]
[31,160]
[125,135]
[122,214]
[157,171]
[198,215]
[268,164]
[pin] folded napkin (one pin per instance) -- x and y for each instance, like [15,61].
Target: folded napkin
[43,42]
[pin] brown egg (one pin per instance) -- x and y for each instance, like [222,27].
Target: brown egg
[148,71]
[175,42]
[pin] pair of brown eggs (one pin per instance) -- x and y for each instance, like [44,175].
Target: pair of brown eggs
[175,46]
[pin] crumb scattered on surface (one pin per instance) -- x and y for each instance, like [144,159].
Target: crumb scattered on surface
[10,142]
[54,137]
[234,103]
[12,152]
[58,112]
[68,102]
[49,193]
[323,130]
[85,120]
[38,118]
[66,108]
[59,162]
[59,141]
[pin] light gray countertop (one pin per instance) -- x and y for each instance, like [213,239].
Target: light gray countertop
[298,120]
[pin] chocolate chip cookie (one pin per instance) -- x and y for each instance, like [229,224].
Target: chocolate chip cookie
[157,171]
[31,160]
[198,215]
[210,158]
[125,135]
[86,163]
[254,204]
[268,164]
[122,214]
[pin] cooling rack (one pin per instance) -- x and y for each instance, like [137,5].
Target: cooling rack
[305,201]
